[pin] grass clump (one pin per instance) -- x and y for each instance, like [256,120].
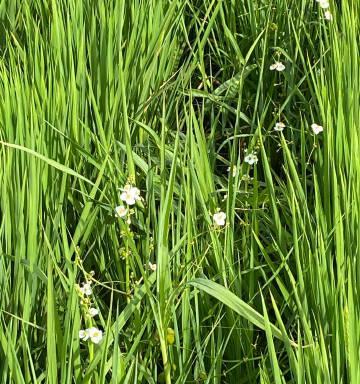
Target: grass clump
[179,191]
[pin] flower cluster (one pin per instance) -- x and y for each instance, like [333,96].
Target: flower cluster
[85,289]
[324,4]
[129,195]
[279,66]
[94,334]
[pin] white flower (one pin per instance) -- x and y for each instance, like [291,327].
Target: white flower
[233,170]
[328,15]
[251,158]
[83,334]
[219,218]
[316,128]
[93,312]
[86,289]
[130,194]
[152,267]
[324,4]
[95,334]
[279,126]
[279,66]
[121,211]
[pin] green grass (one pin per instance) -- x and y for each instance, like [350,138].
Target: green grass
[168,95]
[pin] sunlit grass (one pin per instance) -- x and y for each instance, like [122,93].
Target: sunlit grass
[170,208]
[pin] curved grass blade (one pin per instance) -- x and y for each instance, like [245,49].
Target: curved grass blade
[237,305]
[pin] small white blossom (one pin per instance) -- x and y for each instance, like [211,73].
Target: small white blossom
[328,15]
[317,128]
[233,170]
[86,289]
[83,334]
[279,126]
[130,194]
[219,218]
[93,312]
[324,4]
[121,211]
[279,66]
[95,335]
[152,266]
[251,158]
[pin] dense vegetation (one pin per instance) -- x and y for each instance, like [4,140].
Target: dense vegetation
[125,126]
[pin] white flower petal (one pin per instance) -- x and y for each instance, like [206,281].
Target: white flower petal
[279,66]
[135,192]
[95,335]
[93,312]
[86,289]
[251,159]
[317,128]
[219,218]
[83,334]
[130,194]
[121,211]
[152,267]
[128,198]
[279,126]
[273,67]
[328,15]
[127,188]
[324,4]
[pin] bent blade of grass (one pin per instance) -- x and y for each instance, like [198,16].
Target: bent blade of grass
[237,305]
[270,343]
[52,163]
